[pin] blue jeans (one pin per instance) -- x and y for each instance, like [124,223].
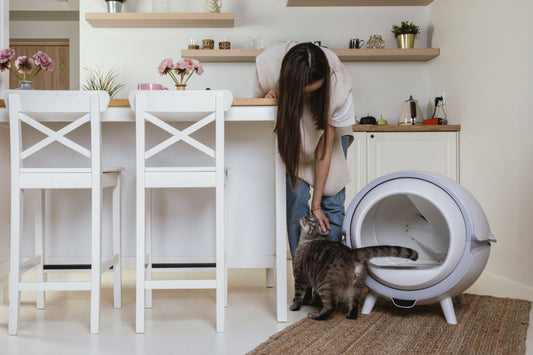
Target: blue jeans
[298,207]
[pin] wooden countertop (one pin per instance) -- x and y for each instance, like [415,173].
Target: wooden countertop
[356,128]
[236,102]
[406,128]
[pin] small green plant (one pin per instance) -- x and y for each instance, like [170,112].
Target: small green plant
[99,79]
[405,28]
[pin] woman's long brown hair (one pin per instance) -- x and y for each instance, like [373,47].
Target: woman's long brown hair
[304,64]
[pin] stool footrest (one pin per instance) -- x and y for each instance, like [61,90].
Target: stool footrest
[55,286]
[179,284]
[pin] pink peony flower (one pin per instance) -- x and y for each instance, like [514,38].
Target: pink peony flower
[25,68]
[181,71]
[6,55]
[5,58]
[43,60]
[165,66]
[197,66]
[24,64]
[184,66]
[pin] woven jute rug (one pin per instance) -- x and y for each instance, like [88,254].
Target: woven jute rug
[486,325]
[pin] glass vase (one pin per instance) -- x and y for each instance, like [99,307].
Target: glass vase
[25,85]
[181,87]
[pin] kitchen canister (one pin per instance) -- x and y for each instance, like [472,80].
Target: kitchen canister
[375,41]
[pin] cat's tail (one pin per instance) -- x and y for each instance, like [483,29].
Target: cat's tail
[378,251]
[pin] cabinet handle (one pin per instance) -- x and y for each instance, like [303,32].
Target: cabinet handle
[371,136]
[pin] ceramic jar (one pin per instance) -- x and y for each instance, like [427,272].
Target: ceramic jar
[375,41]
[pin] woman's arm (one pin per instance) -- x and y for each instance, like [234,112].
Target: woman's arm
[321,175]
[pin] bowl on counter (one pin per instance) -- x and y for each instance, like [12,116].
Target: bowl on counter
[370,120]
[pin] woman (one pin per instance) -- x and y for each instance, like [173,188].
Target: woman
[313,128]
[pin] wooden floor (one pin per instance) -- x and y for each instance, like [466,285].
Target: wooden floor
[180,322]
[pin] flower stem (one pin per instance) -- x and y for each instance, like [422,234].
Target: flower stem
[34,72]
[173,77]
[190,74]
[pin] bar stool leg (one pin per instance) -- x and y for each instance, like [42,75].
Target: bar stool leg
[220,257]
[96,258]
[148,244]
[117,233]
[39,244]
[140,257]
[14,274]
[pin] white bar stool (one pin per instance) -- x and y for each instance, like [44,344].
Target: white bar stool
[200,108]
[33,107]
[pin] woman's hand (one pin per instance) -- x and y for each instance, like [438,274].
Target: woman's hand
[322,219]
[321,174]
[271,94]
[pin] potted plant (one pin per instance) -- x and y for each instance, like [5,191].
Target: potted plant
[99,79]
[405,34]
[114,5]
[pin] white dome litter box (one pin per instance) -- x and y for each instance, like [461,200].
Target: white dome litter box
[435,216]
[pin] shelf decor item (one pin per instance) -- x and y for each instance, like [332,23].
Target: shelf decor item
[405,34]
[114,6]
[25,68]
[99,79]
[213,5]
[375,42]
[181,71]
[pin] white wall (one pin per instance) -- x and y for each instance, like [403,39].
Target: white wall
[486,69]
[380,88]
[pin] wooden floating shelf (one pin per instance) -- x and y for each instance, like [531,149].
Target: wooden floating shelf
[387,54]
[346,55]
[358,2]
[221,55]
[160,20]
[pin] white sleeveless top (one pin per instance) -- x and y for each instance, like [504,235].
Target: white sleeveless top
[341,115]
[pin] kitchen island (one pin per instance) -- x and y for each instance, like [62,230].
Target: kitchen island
[255,195]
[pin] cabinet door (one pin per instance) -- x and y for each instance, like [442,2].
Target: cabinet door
[357,153]
[428,151]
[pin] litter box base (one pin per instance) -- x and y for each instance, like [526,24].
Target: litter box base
[446,305]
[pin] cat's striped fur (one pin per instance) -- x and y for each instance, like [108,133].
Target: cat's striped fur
[334,271]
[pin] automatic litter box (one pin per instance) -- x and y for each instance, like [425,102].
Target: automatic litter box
[431,214]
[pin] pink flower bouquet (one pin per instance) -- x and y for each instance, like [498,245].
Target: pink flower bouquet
[181,71]
[24,68]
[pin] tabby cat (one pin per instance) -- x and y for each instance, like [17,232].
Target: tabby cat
[335,272]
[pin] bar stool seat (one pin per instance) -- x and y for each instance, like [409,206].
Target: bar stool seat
[29,110]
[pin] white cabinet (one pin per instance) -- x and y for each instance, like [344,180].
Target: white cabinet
[374,154]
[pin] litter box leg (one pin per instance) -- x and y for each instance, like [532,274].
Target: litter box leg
[370,301]
[447,308]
